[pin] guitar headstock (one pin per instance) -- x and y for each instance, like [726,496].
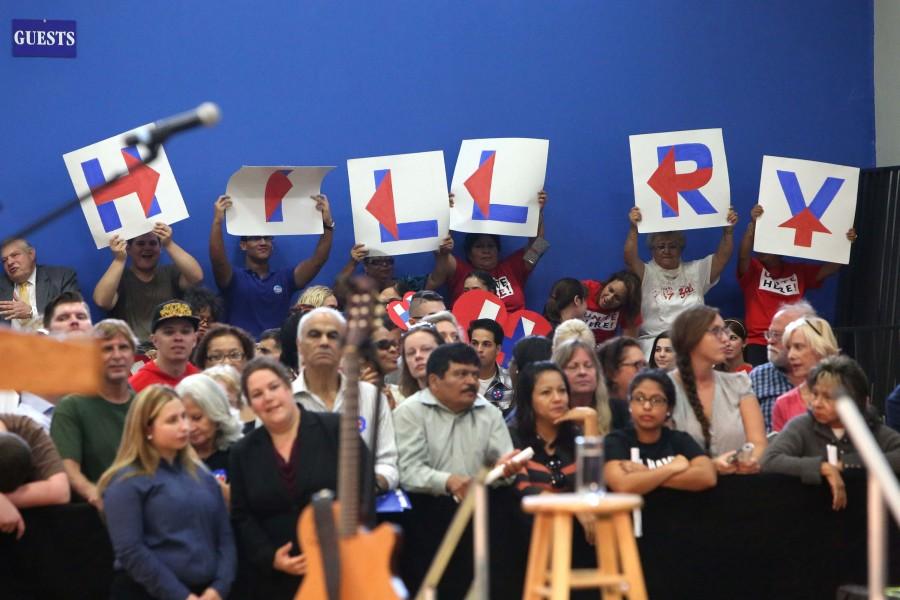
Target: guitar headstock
[362,311]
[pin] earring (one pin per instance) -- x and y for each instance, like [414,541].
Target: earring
[668,415]
[149,437]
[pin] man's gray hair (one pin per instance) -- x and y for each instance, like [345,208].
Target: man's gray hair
[322,310]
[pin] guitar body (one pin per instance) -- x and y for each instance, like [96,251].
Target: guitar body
[365,560]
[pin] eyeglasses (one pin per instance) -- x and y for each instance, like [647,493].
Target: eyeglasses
[635,364]
[386,344]
[654,401]
[233,356]
[771,335]
[718,331]
[379,262]
[670,246]
[557,477]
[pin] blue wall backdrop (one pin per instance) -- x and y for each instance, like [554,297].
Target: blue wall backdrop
[310,83]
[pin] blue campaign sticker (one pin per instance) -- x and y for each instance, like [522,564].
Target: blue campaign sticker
[43,38]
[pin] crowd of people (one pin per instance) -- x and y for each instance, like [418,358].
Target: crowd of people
[218,414]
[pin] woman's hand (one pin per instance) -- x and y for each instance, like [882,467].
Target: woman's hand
[585,415]
[725,464]
[446,246]
[838,491]
[358,252]
[369,375]
[634,216]
[748,467]
[292,565]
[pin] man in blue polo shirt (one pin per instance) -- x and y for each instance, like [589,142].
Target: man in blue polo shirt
[258,298]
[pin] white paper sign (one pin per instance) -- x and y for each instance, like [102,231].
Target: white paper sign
[399,202]
[808,209]
[275,201]
[496,184]
[131,206]
[680,180]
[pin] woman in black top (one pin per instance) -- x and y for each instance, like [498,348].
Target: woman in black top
[547,424]
[665,457]
[274,472]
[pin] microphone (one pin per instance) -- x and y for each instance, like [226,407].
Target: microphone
[207,114]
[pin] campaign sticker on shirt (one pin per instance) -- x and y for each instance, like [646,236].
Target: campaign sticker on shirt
[786,286]
[504,287]
[362,424]
[602,321]
[277,288]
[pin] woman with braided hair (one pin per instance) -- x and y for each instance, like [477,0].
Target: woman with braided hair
[718,409]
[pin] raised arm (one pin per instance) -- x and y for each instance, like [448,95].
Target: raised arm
[190,272]
[357,253]
[444,264]
[220,266]
[309,268]
[726,247]
[542,202]
[632,258]
[106,292]
[746,248]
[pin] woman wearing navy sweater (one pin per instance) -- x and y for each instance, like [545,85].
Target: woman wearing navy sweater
[167,520]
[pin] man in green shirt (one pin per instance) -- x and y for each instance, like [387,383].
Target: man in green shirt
[87,429]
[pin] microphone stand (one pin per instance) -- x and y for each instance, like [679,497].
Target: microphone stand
[69,205]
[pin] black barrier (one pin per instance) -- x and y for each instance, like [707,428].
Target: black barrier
[754,537]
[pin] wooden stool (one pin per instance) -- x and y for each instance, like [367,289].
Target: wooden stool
[619,571]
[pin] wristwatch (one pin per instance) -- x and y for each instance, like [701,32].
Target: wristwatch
[329,227]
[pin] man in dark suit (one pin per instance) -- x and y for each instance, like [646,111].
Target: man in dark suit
[27,287]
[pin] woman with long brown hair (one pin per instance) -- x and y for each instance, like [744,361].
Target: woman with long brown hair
[416,345]
[718,409]
[164,511]
[586,387]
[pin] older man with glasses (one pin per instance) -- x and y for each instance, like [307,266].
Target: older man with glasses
[668,284]
[772,379]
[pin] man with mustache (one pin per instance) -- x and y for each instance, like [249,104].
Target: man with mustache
[773,378]
[131,294]
[320,387]
[174,335]
[445,433]
[27,287]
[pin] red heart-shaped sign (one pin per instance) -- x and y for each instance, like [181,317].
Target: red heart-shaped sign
[398,311]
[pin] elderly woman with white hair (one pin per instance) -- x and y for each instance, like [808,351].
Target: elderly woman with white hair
[213,427]
[806,341]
